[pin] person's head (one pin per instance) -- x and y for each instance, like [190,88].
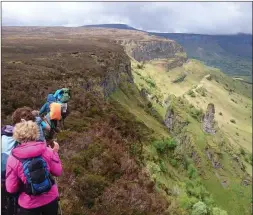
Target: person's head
[35,113]
[26,131]
[22,113]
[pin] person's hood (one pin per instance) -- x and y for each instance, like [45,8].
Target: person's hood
[7,130]
[38,120]
[51,98]
[29,150]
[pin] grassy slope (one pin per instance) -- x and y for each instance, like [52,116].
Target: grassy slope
[216,93]
[235,198]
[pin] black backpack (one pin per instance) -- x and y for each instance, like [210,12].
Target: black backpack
[38,178]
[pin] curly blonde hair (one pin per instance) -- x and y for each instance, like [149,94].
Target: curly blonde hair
[26,131]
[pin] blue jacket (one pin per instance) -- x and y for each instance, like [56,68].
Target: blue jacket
[45,108]
[42,125]
[57,95]
[8,143]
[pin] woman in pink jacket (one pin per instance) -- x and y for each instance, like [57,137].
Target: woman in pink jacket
[29,171]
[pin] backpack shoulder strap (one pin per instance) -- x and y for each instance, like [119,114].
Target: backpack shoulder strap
[22,160]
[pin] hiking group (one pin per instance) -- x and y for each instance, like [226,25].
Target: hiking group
[30,158]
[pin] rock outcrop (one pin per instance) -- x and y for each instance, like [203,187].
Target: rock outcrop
[121,73]
[169,119]
[208,119]
[149,50]
[213,157]
[155,48]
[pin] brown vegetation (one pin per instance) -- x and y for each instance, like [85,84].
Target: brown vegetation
[101,176]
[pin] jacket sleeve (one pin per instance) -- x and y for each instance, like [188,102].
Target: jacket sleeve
[55,164]
[45,126]
[43,108]
[12,181]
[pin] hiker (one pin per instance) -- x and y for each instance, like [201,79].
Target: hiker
[63,96]
[8,201]
[30,168]
[52,119]
[42,125]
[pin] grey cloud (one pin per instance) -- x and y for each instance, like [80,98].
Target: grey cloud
[188,17]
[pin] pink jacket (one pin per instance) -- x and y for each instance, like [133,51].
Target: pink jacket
[14,173]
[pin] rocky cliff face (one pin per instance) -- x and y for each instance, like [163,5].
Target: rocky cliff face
[169,119]
[176,126]
[208,120]
[151,49]
[121,73]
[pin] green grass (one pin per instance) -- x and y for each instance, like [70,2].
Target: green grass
[132,104]
[206,91]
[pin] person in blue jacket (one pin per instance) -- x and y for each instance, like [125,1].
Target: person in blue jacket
[61,96]
[46,107]
[43,126]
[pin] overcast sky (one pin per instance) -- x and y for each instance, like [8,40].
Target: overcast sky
[175,17]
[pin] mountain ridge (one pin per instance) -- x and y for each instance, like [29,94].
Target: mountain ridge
[231,53]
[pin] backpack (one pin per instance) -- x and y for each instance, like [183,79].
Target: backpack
[65,95]
[62,95]
[8,143]
[38,178]
[55,111]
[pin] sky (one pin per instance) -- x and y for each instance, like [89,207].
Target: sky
[172,17]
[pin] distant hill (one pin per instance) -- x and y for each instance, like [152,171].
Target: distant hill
[230,53]
[117,26]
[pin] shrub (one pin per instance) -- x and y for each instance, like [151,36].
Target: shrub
[194,188]
[242,151]
[234,101]
[199,208]
[250,158]
[150,82]
[237,133]
[202,91]
[218,211]
[162,166]
[140,66]
[192,171]
[191,93]
[149,105]
[179,79]
[163,146]
[196,113]
[173,162]
[209,78]
[187,202]
[220,114]
[137,73]
[233,121]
